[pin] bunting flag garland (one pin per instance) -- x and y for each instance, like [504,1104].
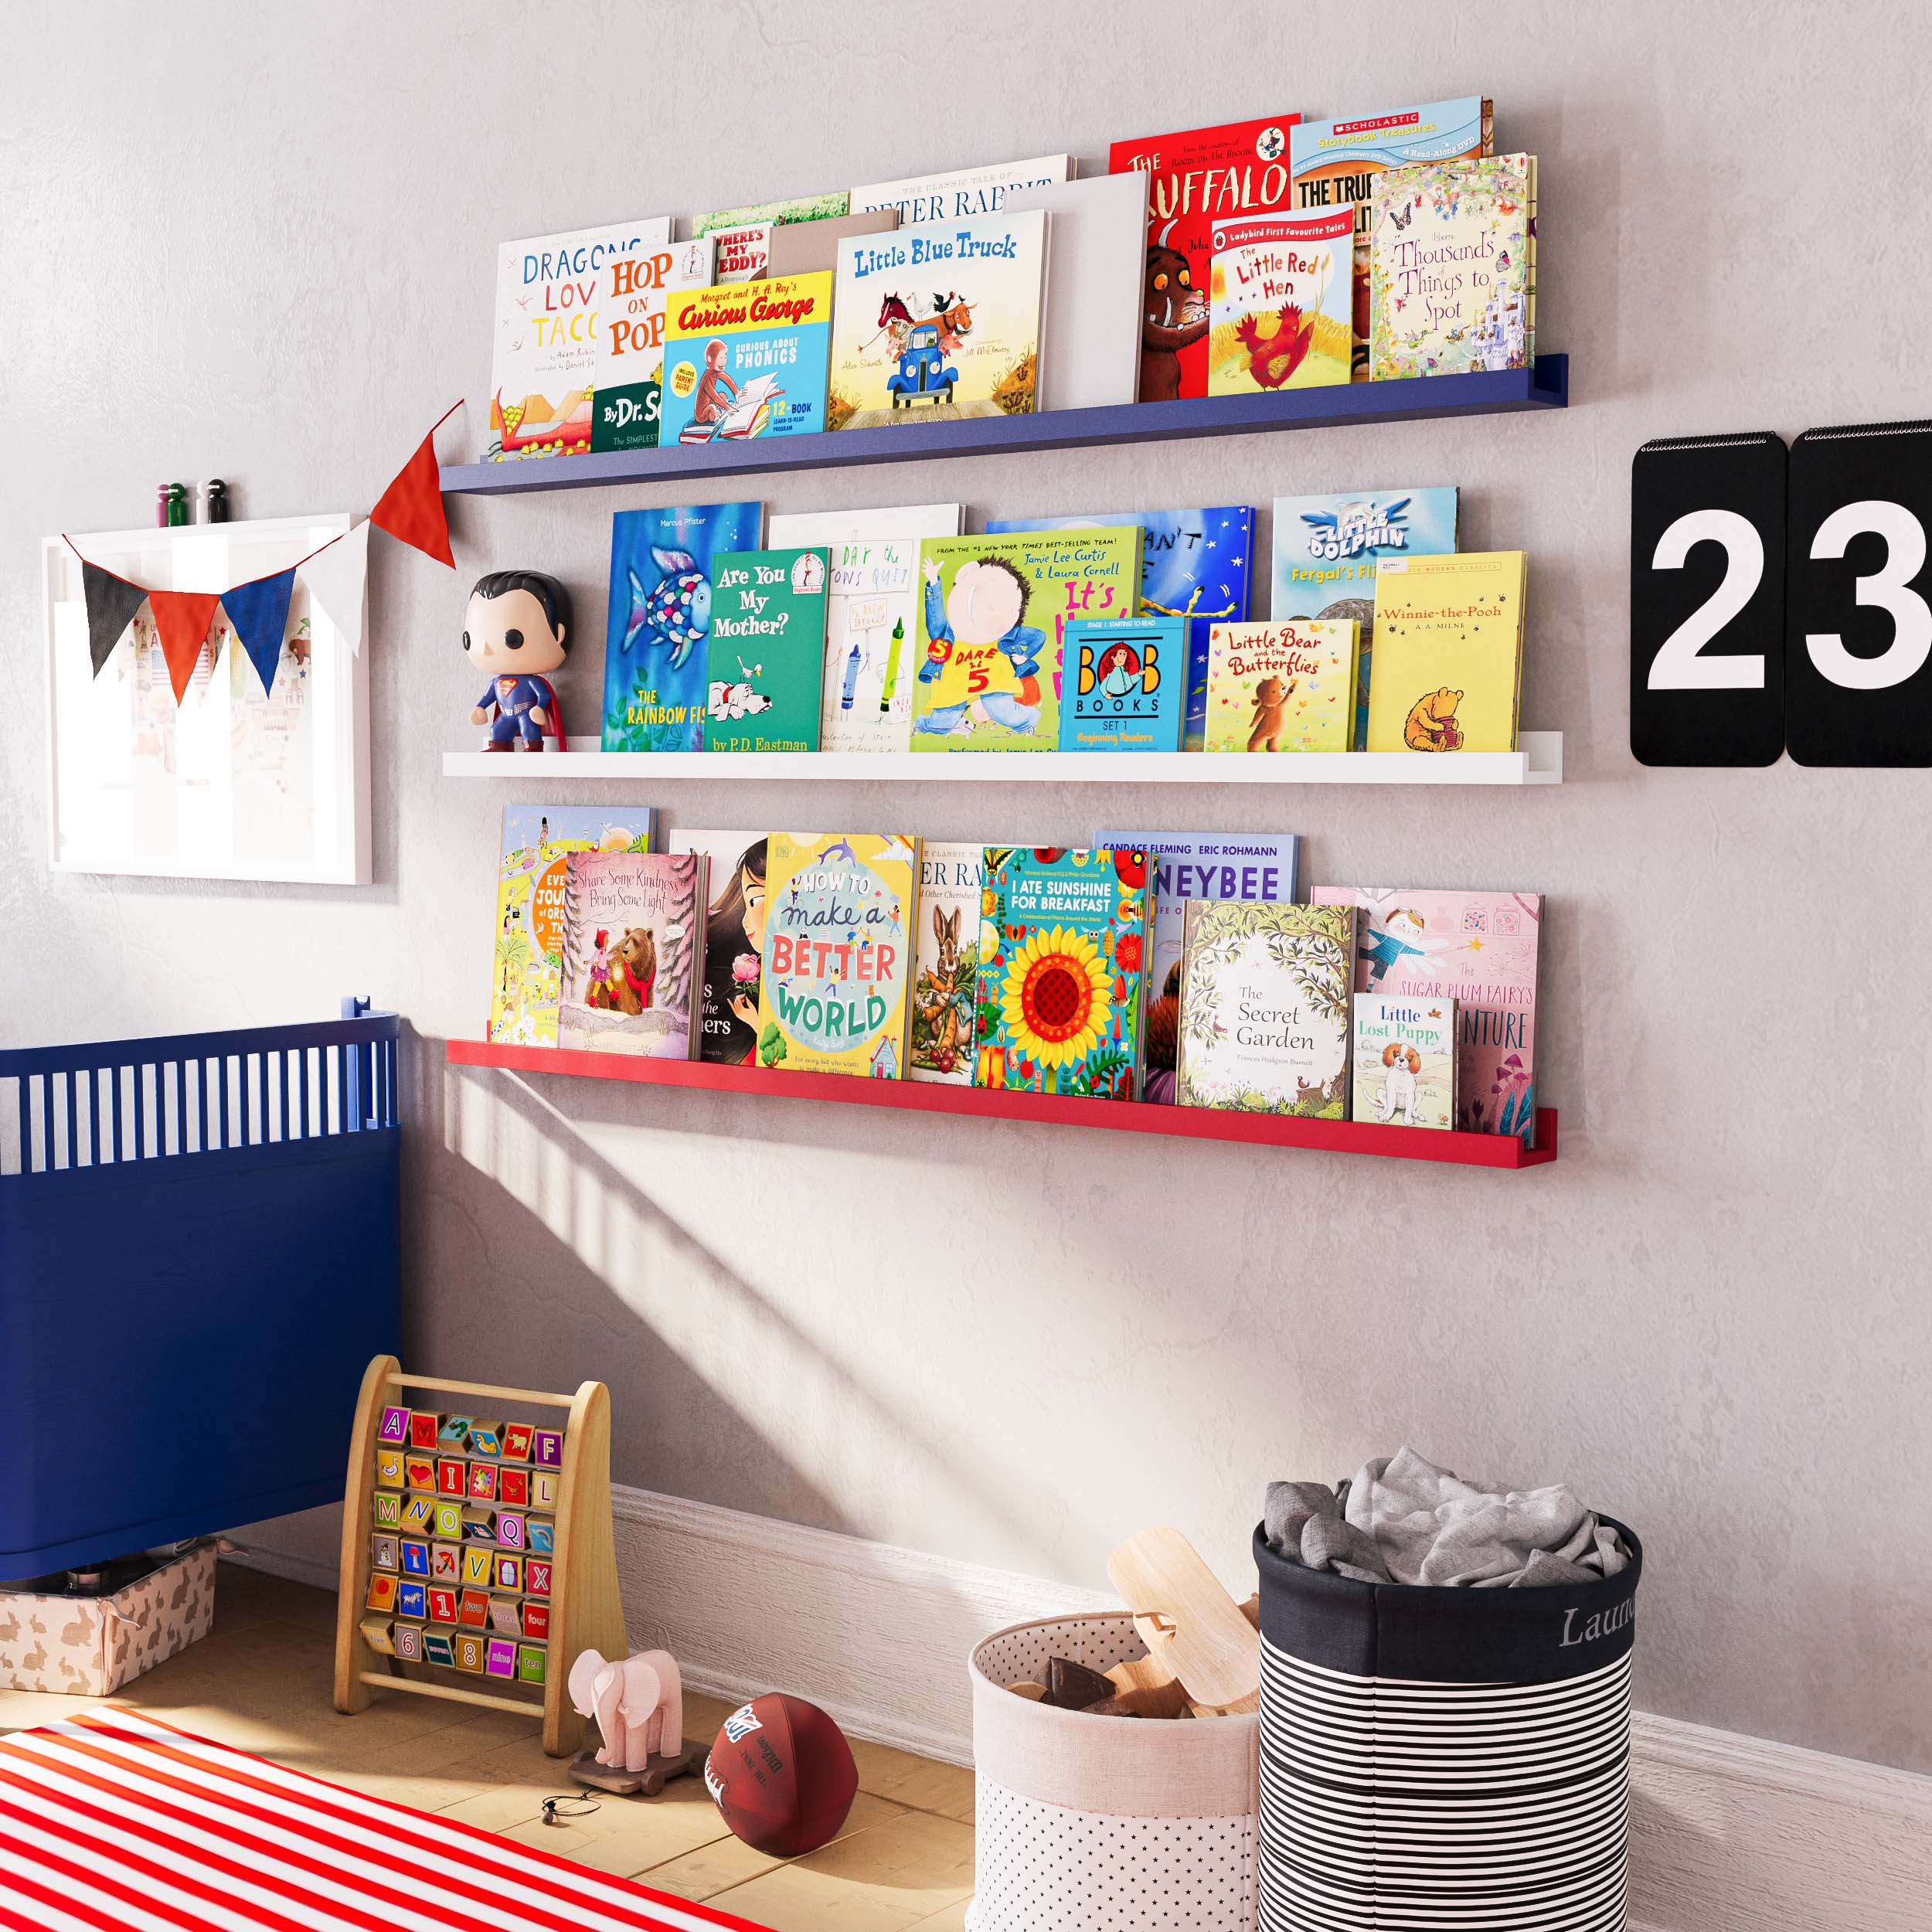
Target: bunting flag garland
[411,509]
[182,618]
[336,576]
[112,602]
[259,614]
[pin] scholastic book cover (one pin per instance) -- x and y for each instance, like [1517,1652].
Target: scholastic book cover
[1194,564]
[993,610]
[655,656]
[946,961]
[746,360]
[1062,956]
[1282,687]
[1405,1060]
[1479,949]
[1126,683]
[963,193]
[767,651]
[839,913]
[628,380]
[1335,162]
[942,317]
[734,937]
[1448,663]
[1183,865]
[1326,548]
[543,361]
[1278,302]
[633,953]
[528,963]
[1196,178]
[1264,1007]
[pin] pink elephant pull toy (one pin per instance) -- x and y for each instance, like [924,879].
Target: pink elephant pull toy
[638,1708]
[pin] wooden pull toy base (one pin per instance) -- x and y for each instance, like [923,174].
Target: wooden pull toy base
[650,1782]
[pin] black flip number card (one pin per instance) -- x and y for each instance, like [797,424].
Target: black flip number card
[1707,601]
[1859,688]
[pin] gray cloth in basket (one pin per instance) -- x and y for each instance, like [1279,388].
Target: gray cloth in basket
[1402,1520]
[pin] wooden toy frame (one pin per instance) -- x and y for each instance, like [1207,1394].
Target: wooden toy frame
[585,1612]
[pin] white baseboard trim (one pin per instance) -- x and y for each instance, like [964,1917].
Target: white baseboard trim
[293,1564]
[1729,1834]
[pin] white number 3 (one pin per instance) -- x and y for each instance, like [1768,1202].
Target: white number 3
[1889,589]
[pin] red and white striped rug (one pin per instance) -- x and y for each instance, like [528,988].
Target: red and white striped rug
[118,1823]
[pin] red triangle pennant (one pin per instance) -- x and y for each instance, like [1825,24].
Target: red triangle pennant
[411,509]
[182,618]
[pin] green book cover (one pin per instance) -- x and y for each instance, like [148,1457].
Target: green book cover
[766,664]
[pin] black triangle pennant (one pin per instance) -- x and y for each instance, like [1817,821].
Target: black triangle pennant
[112,602]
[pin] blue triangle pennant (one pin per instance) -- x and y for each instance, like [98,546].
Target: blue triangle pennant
[259,612]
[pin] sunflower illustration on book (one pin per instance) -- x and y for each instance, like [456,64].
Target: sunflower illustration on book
[1055,999]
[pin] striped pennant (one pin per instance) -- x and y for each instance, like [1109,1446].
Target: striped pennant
[117,1822]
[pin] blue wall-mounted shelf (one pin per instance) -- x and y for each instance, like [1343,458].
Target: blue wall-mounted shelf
[934,435]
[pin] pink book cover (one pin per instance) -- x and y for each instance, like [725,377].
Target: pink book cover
[1480,949]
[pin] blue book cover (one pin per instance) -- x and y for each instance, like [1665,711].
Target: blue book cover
[656,644]
[1123,684]
[1194,564]
[1326,548]
[1195,864]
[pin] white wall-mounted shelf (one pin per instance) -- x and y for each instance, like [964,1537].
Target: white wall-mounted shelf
[1539,762]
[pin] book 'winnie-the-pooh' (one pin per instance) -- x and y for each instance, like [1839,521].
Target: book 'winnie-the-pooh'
[1448,654]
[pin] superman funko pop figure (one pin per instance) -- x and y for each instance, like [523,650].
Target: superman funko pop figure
[517,628]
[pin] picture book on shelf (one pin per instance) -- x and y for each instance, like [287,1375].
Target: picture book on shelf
[655,656]
[1479,949]
[1289,686]
[1405,1060]
[1278,303]
[629,372]
[1183,865]
[946,961]
[765,652]
[1125,684]
[1195,179]
[1337,161]
[1265,989]
[743,253]
[945,316]
[992,610]
[1194,564]
[962,194]
[1090,321]
[1326,548]
[633,953]
[543,363]
[1448,666]
[527,967]
[839,913]
[743,236]
[734,937]
[811,247]
[748,359]
[1062,956]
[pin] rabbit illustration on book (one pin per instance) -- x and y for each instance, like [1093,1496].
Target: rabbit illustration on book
[1399,1090]
[936,999]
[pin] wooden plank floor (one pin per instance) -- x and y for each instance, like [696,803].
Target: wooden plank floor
[261,1681]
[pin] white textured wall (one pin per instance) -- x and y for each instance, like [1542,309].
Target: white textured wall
[258,242]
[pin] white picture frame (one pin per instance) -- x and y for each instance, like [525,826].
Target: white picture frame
[234,783]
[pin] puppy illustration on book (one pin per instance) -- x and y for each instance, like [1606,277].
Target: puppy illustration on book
[1398,1095]
[624,985]
[1271,698]
[1431,725]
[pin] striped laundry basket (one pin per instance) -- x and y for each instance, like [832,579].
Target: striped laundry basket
[1443,1760]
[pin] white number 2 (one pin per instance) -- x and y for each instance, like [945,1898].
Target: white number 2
[1677,666]
[1889,589]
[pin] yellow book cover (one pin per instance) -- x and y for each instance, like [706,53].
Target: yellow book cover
[1278,303]
[838,952]
[1284,686]
[1447,668]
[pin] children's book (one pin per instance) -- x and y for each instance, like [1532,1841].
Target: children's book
[734,937]
[767,651]
[655,659]
[1195,179]
[1279,303]
[630,365]
[1194,564]
[942,317]
[747,361]
[797,208]
[543,366]
[1405,1060]
[528,966]
[1335,162]
[1282,687]
[633,953]
[811,247]
[742,253]
[1090,322]
[1126,683]
[1478,949]
[743,235]
[1450,269]
[1448,663]
[839,913]
[1062,956]
[963,194]
[992,613]
[1326,548]
[946,961]
[1184,865]
[1264,1007]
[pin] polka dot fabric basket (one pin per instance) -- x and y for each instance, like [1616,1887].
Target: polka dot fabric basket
[1106,1824]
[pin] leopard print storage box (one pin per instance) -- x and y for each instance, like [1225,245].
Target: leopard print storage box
[89,1646]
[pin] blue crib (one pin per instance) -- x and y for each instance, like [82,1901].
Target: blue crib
[199,1252]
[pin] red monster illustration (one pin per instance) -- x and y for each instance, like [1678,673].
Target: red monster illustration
[1174,315]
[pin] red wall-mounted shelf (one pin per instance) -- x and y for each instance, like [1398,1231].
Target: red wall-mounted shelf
[1131,1117]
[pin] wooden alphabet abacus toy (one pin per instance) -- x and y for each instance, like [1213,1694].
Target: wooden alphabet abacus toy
[478,1546]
